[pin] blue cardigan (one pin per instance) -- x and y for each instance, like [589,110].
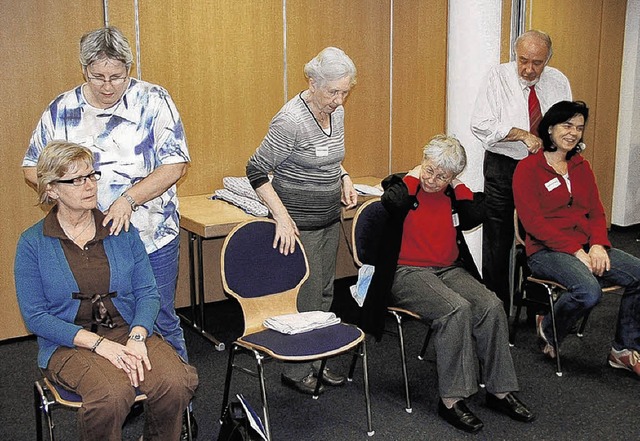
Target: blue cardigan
[44,283]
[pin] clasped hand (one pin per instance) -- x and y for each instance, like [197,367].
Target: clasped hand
[132,358]
[597,260]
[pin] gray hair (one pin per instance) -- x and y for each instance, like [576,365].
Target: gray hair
[539,35]
[330,64]
[447,153]
[103,43]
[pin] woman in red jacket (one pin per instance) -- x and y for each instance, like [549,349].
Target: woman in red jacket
[557,199]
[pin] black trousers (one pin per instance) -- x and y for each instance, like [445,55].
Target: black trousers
[497,230]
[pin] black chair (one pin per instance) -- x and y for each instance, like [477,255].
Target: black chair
[266,283]
[538,294]
[47,395]
[367,229]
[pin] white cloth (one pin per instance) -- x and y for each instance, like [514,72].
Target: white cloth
[502,103]
[359,290]
[301,322]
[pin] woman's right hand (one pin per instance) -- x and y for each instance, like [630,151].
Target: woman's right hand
[286,232]
[584,258]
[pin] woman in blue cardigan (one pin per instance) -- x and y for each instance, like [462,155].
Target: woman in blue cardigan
[91,299]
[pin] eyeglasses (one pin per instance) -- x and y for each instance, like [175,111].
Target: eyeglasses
[429,173]
[81,180]
[115,81]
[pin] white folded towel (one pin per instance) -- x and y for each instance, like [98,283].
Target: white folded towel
[301,322]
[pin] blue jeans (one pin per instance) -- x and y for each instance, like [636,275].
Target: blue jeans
[584,292]
[164,263]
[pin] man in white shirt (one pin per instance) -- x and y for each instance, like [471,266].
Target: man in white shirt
[505,117]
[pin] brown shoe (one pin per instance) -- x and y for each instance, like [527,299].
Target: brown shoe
[330,378]
[306,386]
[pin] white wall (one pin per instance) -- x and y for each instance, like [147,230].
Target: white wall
[473,47]
[626,189]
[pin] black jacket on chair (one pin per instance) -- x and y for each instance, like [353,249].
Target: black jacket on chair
[398,202]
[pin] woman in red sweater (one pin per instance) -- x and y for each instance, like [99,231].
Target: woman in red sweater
[557,199]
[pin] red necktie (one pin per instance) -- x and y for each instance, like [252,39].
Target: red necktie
[535,114]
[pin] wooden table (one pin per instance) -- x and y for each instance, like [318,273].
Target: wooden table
[203,218]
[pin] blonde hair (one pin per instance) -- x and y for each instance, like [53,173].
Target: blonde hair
[57,158]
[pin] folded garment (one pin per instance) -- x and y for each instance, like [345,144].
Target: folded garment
[301,322]
[249,205]
[359,290]
[240,186]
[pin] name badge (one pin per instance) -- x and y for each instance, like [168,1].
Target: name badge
[322,150]
[456,219]
[554,183]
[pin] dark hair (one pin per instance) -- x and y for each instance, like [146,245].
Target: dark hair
[558,113]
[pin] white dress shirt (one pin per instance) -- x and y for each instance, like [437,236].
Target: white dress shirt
[503,104]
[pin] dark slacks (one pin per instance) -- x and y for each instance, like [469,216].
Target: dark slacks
[497,229]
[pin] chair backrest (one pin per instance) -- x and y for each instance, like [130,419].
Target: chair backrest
[367,231]
[264,281]
[518,228]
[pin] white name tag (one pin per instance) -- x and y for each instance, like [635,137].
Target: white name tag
[554,183]
[322,150]
[456,219]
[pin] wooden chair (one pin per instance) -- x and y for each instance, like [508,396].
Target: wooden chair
[266,283]
[47,395]
[367,229]
[530,291]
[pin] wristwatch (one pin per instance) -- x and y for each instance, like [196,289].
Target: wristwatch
[131,201]
[137,337]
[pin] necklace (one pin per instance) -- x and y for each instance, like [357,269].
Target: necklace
[559,167]
[73,238]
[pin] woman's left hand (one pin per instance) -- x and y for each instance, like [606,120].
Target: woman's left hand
[119,214]
[349,194]
[600,261]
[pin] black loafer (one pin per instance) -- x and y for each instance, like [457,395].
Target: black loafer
[460,417]
[511,406]
[330,378]
[184,435]
[306,386]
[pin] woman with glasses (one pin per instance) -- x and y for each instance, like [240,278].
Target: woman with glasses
[91,298]
[136,134]
[303,152]
[428,269]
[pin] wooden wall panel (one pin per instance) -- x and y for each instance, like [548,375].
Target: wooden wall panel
[361,29]
[39,46]
[589,52]
[419,78]
[222,64]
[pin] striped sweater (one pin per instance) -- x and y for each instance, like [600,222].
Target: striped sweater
[305,164]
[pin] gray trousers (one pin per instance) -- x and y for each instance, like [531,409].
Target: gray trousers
[316,294]
[468,321]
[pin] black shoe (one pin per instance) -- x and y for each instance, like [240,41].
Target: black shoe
[511,406]
[184,435]
[330,378]
[306,386]
[460,417]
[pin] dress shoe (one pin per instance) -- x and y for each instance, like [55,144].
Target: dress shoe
[511,406]
[306,386]
[330,378]
[184,434]
[460,417]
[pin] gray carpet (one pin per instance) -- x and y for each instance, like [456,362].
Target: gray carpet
[590,402]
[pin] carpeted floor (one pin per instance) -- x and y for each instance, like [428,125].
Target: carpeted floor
[590,402]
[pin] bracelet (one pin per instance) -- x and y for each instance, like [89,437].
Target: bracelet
[343,175]
[131,201]
[95,345]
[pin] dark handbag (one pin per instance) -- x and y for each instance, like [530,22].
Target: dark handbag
[236,425]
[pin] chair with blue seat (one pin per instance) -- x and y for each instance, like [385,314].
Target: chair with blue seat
[367,230]
[47,395]
[266,284]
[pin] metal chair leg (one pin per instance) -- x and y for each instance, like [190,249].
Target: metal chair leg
[555,331]
[227,381]
[583,325]
[43,407]
[403,360]
[263,393]
[423,351]
[316,391]
[367,396]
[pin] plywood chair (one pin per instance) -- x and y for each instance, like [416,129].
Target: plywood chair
[531,291]
[47,395]
[367,230]
[266,283]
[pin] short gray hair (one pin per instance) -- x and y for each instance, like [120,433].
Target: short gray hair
[447,153]
[330,64]
[536,34]
[103,43]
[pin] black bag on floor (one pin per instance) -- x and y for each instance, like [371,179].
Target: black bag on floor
[236,424]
